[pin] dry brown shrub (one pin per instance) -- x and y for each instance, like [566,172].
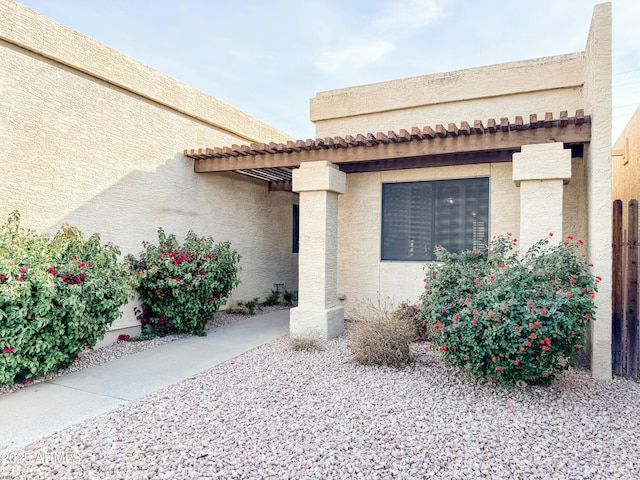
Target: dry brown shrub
[379,336]
[306,342]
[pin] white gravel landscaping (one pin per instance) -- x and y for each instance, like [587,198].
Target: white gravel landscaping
[278,414]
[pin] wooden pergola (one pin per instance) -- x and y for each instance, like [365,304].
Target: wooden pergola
[414,148]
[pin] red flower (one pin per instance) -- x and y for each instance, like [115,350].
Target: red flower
[473,254]
[457,316]
[502,265]
[491,314]
[538,294]
[545,348]
[527,343]
[551,234]
[493,359]
[547,340]
[580,242]
[592,293]
[20,279]
[517,329]
[7,350]
[474,320]
[587,316]
[570,237]
[23,270]
[537,324]
[569,295]
[577,346]
[443,348]
[499,368]
[517,362]
[123,337]
[572,280]
[530,303]
[533,336]
[599,279]
[443,309]
[543,311]
[26,381]
[515,240]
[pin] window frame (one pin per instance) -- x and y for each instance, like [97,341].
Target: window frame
[432,181]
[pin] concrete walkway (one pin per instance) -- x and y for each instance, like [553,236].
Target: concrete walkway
[45,408]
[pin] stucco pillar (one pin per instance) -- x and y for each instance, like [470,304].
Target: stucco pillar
[540,171]
[318,312]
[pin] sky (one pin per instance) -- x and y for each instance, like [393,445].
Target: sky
[269,57]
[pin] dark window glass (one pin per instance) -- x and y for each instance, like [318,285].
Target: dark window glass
[296,229]
[417,216]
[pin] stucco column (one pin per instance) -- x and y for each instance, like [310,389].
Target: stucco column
[540,171]
[318,312]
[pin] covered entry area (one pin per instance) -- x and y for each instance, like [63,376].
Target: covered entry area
[540,150]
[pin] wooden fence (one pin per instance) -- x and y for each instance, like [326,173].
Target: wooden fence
[626,334]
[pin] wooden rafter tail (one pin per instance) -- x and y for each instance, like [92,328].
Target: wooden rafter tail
[207,151]
[465,129]
[416,133]
[328,141]
[519,122]
[293,146]
[533,121]
[404,135]
[371,139]
[478,128]
[320,143]
[452,130]
[351,140]
[441,131]
[504,124]
[392,136]
[564,118]
[300,144]
[491,125]
[271,148]
[382,138]
[238,150]
[427,132]
[229,152]
[361,140]
[246,150]
[340,142]
[548,120]
[218,152]
[580,116]
[309,144]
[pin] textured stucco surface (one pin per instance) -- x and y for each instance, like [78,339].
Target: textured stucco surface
[319,184]
[362,275]
[626,164]
[540,171]
[597,92]
[95,139]
[553,84]
[537,86]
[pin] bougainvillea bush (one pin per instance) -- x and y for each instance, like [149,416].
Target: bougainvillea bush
[58,296]
[518,319]
[181,286]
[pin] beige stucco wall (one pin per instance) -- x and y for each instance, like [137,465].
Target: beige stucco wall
[95,139]
[537,86]
[363,276]
[567,82]
[597,93]
[626,162]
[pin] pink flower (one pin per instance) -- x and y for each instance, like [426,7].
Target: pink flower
[7,350]
[23,270]
[517,362]
[20,279]
[26,381]
[499,368]
[81,264]
[443,309]
[123,337]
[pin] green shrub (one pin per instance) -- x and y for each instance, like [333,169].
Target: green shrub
[289,298]
[240,307]
[181,286]
[378,337]
[57,297]
[494,314]
[272,299]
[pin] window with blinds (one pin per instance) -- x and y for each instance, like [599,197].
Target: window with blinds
[417,216]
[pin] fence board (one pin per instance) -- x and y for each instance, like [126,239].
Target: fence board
[617,293]
[631,314]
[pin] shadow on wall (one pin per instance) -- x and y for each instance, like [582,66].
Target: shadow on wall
[226,206]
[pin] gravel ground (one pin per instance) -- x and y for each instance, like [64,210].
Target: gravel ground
[277,414]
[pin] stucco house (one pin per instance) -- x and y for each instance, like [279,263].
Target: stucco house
[396,167]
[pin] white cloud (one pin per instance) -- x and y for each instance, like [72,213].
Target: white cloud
[354,57]
[407,15]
